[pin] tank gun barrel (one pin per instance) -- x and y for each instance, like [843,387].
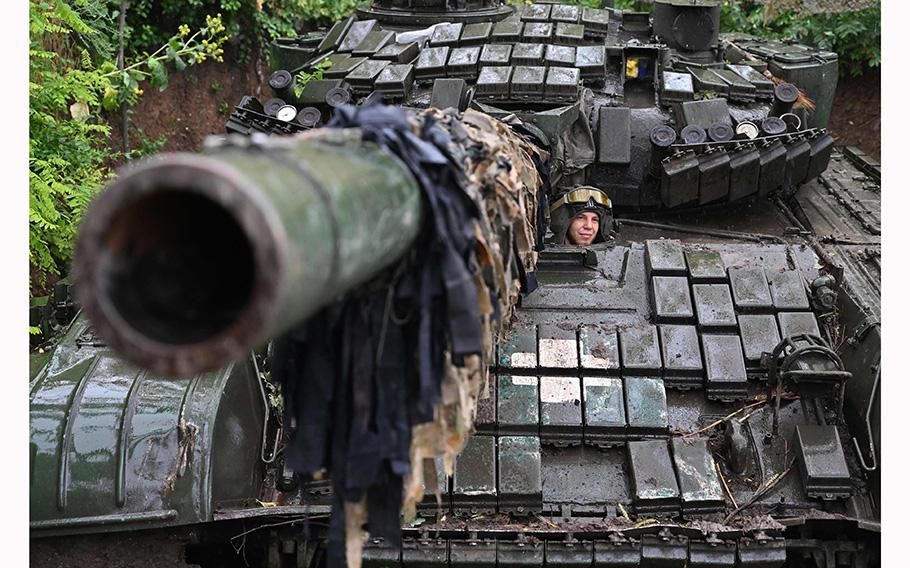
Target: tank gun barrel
[187,261]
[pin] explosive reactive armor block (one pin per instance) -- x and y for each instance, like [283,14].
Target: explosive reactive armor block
[822,462]
[671,300]
[712,554]
[557,347]
[759,334]
[432,62]
[705,267]
[364,75]
[508,30]
[446,35]
[517,404]
[560,411]
[519,350]
[569,33]
[373,42]
[646,407]
[598,349]
[618,553]
[495,54]
[342,64]
[332,39]
[679,179]
[797,323]
[470,553]
[396,80]
[399,52]
[565,13]
[475,34]
[356,34]
[676,87]
[699,484]
[463,62]
[559,55]
[538,32]
[639,350]
[562,83]
[750,289]
[596,21]
[424,553]
[654,486]
[764,87]
[528,81]
[474,481]
[520,554]
[604,411]
[665,257]
[725,369]
[679,346]
[527,54]
[670,551]
[520,489]
[788,291]
[537,13]
[797,167]
[744,172]
[591,60]
[772,163]
[493,82]
[714,306]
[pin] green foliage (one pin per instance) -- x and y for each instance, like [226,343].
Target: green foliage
[143,146]
[326,11]
[71,79]
[248,23]
[305,77]
[854,36]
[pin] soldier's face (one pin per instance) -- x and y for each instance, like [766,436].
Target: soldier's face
[583,228]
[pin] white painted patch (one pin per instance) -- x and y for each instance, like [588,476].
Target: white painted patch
[559,389]
[599,381]
[524,360]
[558,353]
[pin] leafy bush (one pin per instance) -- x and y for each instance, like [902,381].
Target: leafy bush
[854,36]
[71,79]
[249,23]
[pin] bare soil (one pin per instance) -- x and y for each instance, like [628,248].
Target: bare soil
[196,103]
[856,119]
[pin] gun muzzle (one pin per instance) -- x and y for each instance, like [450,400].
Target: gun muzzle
[188,261]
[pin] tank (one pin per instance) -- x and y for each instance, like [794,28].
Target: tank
[700,389]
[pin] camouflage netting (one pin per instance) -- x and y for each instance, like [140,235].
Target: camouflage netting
[503,180]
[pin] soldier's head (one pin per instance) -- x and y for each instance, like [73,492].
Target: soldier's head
[581,216]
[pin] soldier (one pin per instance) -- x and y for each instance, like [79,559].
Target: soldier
[581,216]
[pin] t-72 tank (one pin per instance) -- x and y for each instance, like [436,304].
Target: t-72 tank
[699,387]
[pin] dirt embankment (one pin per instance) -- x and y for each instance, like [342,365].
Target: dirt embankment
[196,103]
[856,119]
